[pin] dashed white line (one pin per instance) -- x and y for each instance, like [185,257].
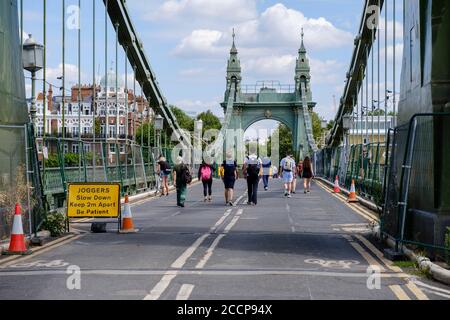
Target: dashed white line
[161,286]
[185,292]
[180,262]
[209,252]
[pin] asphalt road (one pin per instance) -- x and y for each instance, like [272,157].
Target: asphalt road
[312,246]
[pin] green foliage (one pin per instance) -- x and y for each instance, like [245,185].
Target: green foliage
[317,126]
[98,126]
[143,132]
[285,138]
[330,125]
[71,159]
[210,121]
[52,161]
[379,112]
[183,119]
[55,223]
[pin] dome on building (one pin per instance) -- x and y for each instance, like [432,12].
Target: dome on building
[112,80]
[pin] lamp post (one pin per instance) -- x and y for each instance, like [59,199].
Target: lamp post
[159,125]
[33,61]
[323,124]
[198,148]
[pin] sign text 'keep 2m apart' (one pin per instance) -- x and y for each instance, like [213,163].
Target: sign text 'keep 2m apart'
[93,200]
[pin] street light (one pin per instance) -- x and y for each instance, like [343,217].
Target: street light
[159,125]
[33,61]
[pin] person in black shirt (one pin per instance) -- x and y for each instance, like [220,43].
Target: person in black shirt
[164,170]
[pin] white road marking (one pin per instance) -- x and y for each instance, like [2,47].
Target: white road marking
[209,252]
[232,223]
[162,285]
[185,292]
[37,251]
[430,287]
[437,293]
[181,261]
[221,220]
[201,273]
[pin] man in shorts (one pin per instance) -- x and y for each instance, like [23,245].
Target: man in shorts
[287,166]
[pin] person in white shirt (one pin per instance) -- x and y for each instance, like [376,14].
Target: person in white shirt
[287,166]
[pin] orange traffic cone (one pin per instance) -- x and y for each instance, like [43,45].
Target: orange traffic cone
[17,244]
[352,195]
[127,219]
[336,189]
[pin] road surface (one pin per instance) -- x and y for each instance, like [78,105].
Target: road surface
[312,246]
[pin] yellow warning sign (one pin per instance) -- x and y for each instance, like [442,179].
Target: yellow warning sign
[93,200]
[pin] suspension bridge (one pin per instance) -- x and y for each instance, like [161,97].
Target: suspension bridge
[388,139]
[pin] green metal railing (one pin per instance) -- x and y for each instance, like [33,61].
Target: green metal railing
[131,165]
[363,164]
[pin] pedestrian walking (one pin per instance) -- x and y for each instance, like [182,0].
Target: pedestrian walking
[229,175]
[267,171]
[287,166]
[205,175]
[308,174]
[252,170]
[164,169]
[181,178]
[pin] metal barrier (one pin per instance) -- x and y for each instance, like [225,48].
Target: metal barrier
[20,179]
[362,163]
[131,165]
[417,203]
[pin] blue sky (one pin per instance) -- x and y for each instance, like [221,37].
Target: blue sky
[188,42]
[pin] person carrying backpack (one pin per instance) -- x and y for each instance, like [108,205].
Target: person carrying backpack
[287,166]
[205,175]
[252,171]
[229,176]
[181,177]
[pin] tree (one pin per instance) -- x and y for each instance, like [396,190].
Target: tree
[317,126]
[378,112]
[142,134]
[210,121]
[97,127]
[285,140]
[183,119]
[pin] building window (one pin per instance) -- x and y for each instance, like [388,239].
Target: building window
[87,147]
[66,148]
[112,130]
[122,149]
[75,148]
[112,148]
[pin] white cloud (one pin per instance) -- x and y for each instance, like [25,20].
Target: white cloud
[270,66]
[200,106]
[200,43]
[229,10]
[280,26]
[276,30]
[326,72]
